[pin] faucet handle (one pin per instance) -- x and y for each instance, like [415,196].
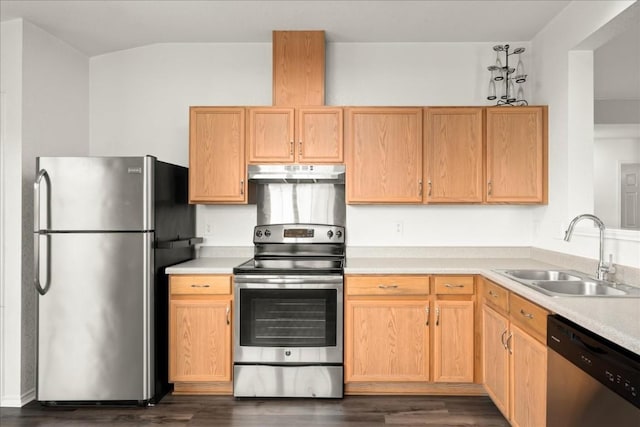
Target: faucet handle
[610,268]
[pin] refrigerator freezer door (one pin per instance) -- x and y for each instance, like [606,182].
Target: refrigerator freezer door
[96,193]
[95,323]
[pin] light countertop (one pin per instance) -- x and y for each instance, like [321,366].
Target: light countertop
[617,319]
[217,265]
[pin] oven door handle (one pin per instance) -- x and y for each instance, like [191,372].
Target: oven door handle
[275,282]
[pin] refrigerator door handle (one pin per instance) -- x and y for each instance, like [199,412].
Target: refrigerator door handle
[42,174]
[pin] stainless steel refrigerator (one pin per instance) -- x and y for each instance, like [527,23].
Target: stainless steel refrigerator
[105,229]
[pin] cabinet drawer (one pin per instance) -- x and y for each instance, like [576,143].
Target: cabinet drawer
[496,296]
[200,284]
[453,285]
[532,318]
[387,285]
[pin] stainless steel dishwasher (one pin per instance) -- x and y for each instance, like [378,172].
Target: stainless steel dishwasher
[590,380]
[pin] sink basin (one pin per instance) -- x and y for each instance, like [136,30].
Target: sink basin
[542,275]
[558,283]
[579,288]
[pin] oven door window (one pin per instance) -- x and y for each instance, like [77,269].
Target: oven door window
[288,317]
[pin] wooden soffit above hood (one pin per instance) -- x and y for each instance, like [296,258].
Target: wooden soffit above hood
[298,68]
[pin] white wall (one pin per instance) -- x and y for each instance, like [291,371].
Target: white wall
[11,228]
[620,111]
[613,145]
[564,71]
[53,117]
[140,100]
[617,66]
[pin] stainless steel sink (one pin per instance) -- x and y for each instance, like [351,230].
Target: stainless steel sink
[558,283]
[542,275]
[580,288]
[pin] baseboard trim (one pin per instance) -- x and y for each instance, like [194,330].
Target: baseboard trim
[416,388]
[18,401]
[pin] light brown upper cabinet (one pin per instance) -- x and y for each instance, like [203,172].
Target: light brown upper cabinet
[516,154]
[217,171]
[302,135]
[384,155]
[298,68]
[453,162]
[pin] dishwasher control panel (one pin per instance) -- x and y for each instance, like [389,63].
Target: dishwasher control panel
[615,367]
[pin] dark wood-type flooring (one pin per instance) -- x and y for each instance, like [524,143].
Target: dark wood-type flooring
[358,411]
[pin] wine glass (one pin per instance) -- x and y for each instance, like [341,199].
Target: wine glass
[498,64]
[492,89]
[520,96]
[511,91]
[521,77]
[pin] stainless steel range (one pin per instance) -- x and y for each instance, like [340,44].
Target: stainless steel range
[289,308]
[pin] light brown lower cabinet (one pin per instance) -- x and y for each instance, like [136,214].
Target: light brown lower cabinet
[200,334]
[388,341]
[528,369]
[408,334]
[515,358]
[453,350]
[495,358]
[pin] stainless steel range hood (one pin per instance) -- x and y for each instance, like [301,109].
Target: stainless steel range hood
[296,174]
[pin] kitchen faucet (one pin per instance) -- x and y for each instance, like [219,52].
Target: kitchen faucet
[603,268]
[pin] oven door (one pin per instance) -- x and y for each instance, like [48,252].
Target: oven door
[288,319]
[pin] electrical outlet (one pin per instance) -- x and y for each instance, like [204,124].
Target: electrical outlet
[208,228]
[398,228]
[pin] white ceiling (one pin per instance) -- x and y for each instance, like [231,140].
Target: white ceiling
[98,27]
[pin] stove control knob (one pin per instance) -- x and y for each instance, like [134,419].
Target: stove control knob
[259,233]
[267,233]
[329,234]
[338,234]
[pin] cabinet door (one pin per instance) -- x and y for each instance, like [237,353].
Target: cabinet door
[200,340]
[453,354]
[271,134]
[516,155]
[384,155]
[453,155]
[298,68]
[386,341]
[495,359]
[528,380]
[217,171]
[320,135]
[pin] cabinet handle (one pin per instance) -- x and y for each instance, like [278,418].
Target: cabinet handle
[420,188]
[300,149]
[426,309]
[242,187]
[504,344]
[291,147]
[449,285]
[200,286]
[525,314]
[508,341]
[429,188]
[489,188]
[228,317]
[437,316]
[493,294]
[388,286]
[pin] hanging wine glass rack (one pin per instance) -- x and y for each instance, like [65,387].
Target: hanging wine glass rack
[509,76]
